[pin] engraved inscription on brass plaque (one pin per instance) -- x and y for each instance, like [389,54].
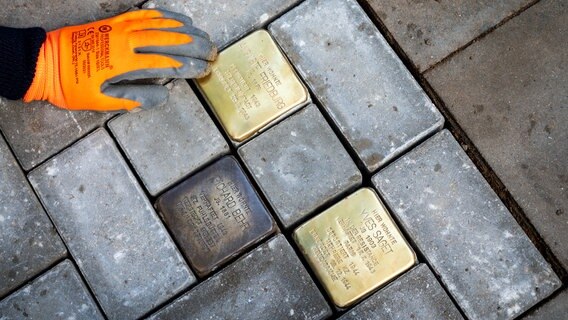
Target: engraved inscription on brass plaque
[252,84]
[214,215]
[354,247]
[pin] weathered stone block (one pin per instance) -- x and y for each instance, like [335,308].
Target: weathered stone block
[470,239]
[58,294]
[167,143]
[227,21]
[28,241]
[300,165]
[214,215]
[268,283]
[508,92]
[429,31]
[415,295]
[371,97]
[110,228]
[38,130]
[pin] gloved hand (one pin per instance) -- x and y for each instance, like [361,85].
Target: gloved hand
[78,67]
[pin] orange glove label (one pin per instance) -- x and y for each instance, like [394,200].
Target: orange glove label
[77,63]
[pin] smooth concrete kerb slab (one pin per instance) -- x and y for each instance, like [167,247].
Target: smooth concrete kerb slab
[371,97]
[167,143]
[470,239]
[110,228]
[28,240]
[300,165]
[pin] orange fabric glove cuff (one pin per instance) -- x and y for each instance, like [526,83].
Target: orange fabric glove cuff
[46,83]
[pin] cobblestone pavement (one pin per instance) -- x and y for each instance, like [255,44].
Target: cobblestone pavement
[435,139]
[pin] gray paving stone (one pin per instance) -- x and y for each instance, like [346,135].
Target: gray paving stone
[110,228]
[373,99]
[58,294]
[28,241]
[555,309]
[56,14]
[470,239]
[38,130]
[300,165]
[215,214]
[268,283]
[226,21]
[428,31]
[415,295]
[167,143]
[508,92]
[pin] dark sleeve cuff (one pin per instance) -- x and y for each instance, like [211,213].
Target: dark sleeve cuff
[19,49]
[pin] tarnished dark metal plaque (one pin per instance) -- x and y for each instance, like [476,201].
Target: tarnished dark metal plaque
[214,215]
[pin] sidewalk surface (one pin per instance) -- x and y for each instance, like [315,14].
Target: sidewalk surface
[453,113]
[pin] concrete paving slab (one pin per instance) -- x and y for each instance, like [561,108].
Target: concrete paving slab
[56,14]
[226,21]
[215,214]
[508,92]
[268,283]
[58,294]
[555,309]
[300,165]
[415,295]
[167,143]
[429,31]
[29,243]
[373,99]
[468,236]
[38,130]
[110,228]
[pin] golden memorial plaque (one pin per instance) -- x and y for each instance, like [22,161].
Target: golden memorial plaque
[251,85]
[354,247]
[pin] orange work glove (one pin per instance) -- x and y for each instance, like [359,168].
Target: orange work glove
[80,67]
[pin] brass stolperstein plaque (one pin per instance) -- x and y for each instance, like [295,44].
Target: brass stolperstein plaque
[252,84]
[354,247]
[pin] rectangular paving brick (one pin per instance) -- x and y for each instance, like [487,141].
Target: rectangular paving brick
[110,228]
[51,15]
[428,31]
[300,165]
[38,130]
[215,214]
[415,295]
[58,294]
[28,241]
[470,239]
[373,99]
[268,283]
[226,21]
[508,93]
[167,143]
